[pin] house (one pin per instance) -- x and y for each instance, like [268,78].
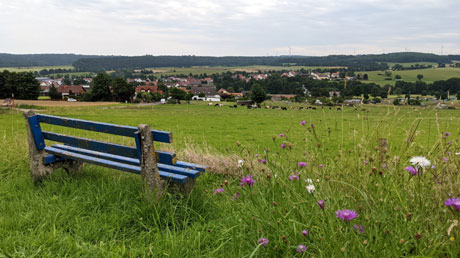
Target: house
[352,102]
[335,75]
[289,74]
[225,94]
[148,88]
[334,93]
[209,93]
[320,76]
[65,90]
[277,97]
[44,90]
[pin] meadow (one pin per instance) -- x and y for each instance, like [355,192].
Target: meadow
[429,75]
[102,212]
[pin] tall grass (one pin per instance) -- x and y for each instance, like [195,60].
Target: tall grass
[101,212]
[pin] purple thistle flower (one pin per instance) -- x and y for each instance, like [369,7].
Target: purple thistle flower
[445,135]
[263,241]
[384,165]
[321,204]
[263,161]
[321,165]
[302,164]
[358,227]
[304,232]
[219,190]
[257,155]
[236,196]
[292,177]
[281,135]
[453,202]
[247,180]
[301,248]
[445,159]
[365,162]
[346,215]
[283,146]
[303,123]
[412,170]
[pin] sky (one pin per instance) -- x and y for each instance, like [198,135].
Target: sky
[229,28]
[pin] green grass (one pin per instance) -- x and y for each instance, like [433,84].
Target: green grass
[102,212]
[34,68]
[429,75]
[413,63]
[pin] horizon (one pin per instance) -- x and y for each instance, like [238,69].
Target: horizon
[230,28]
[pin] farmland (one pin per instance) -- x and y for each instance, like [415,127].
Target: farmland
[101,212]
[429,75]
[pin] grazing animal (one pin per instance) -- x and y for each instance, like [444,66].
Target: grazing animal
[314,108]
[249,107]
[209,104]
[274,107]
[339,109]
[283,108]
[300,108]
[267,107]
[235,106]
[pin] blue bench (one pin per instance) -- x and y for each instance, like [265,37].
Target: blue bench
[155,167]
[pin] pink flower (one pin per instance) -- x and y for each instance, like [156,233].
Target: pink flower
[247,180]
[305,232]
[236,196]
[303,123]
[302,164]
[292,177]
[346,215]
[301,248]
[412,170]
[321,204]
[281,135]
[263,241]
[219,190]
[283,146]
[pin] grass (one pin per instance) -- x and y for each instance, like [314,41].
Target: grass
[413,63]
[101,212]
[429,75]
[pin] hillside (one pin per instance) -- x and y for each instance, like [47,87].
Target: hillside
[29,60]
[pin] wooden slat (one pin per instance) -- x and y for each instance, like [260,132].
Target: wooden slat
[130,161]
[123,130]
[94,145]
[112,164]
[193,166]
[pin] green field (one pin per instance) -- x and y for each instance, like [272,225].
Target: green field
[413,63]
[429,75]
[34,68]
[102,212]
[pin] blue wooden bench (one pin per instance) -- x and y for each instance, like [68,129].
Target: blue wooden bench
[155,167]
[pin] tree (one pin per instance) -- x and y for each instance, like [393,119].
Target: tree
[365,76]
[122,90]
[398,77]
[388,73]
[420,76]
[177,93]
[100,88]
[24,85]
[258,94]
[54,94]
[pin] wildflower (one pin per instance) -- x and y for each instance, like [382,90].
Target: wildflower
[312,125]
[321,204]
[240,163]
[281,135]
[301,248]
[309,181]
[445,159]
[420,161]
[453,202]
[302,164]
[247,180]
[257,155]
[305,232]
[321,165]
[384,165]
[358,227]
[219,190]
[263,241]
[412,170]
[283,146]
[445,135]
[292,177]
[236,195]
[346,215]
[303,123]
[310,188]
[365,162]
[263,161]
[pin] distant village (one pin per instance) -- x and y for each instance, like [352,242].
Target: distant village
[202,89]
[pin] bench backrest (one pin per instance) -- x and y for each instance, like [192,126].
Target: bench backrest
[111,148]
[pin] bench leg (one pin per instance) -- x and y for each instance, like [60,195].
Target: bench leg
[152,183]
[38,170]
[72,166]
[187,187]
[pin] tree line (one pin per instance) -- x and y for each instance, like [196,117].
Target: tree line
[21,85]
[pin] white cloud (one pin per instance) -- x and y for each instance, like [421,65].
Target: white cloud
[239,27]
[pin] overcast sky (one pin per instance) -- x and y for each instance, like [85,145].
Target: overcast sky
[230,27]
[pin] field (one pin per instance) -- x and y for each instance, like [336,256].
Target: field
[34,68]
[429,75]
[102,212]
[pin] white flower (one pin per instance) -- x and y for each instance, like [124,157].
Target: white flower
[240,163]
[310,188]
[457,153]
[309,181]
[420,161]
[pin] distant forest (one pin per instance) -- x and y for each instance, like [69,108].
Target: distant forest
[26,60]
[86,63]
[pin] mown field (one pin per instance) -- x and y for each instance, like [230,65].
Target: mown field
[429,75]
[34,68]
[102,212]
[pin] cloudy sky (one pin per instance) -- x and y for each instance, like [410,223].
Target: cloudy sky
[229,27]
